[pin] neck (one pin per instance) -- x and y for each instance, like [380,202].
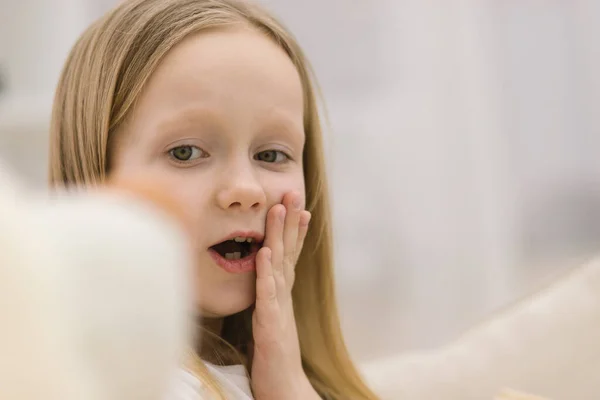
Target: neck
[210,347]
[213,325]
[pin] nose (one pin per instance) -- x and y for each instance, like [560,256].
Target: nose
[240,189]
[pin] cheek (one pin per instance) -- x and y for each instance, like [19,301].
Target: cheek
[275,189]
[193,198]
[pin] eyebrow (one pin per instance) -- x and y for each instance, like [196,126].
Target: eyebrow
[276,123]
[282,123]
[187,117]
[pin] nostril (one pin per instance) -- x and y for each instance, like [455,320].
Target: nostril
[238,204]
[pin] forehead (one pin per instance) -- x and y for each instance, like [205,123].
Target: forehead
[237,71]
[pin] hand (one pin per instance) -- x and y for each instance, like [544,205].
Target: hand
[277,366]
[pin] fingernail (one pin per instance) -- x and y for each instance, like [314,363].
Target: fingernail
[297,203]
[282,215]
[269,255]
[305,221]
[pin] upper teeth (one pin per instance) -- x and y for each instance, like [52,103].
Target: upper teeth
[241,239]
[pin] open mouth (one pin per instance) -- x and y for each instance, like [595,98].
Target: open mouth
[237,248]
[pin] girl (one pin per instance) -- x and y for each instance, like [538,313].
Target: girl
[215,97]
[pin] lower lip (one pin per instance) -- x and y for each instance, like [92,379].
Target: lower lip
[239,266]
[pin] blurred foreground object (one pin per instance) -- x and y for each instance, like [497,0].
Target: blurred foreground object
[547,344]
[94,300]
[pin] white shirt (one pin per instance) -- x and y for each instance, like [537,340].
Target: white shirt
[232,379]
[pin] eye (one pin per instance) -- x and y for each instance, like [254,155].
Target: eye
[187,153]
[272,156]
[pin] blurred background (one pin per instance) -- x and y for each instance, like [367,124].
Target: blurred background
[463,144]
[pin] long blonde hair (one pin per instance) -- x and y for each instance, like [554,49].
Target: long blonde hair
[104,76]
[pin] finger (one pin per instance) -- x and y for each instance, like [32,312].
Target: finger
[293,203]
[274,235]
[290,272]
[266,291]
[305,217]
[265,284]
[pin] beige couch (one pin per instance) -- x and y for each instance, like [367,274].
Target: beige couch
[547,344]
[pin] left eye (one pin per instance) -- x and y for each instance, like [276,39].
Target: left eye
[271,156]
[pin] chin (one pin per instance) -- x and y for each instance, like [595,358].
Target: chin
[227,301]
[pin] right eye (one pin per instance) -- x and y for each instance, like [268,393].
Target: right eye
[187,153]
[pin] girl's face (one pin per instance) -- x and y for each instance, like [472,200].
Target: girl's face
[221,121]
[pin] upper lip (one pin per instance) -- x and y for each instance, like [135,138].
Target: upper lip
[258,237]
